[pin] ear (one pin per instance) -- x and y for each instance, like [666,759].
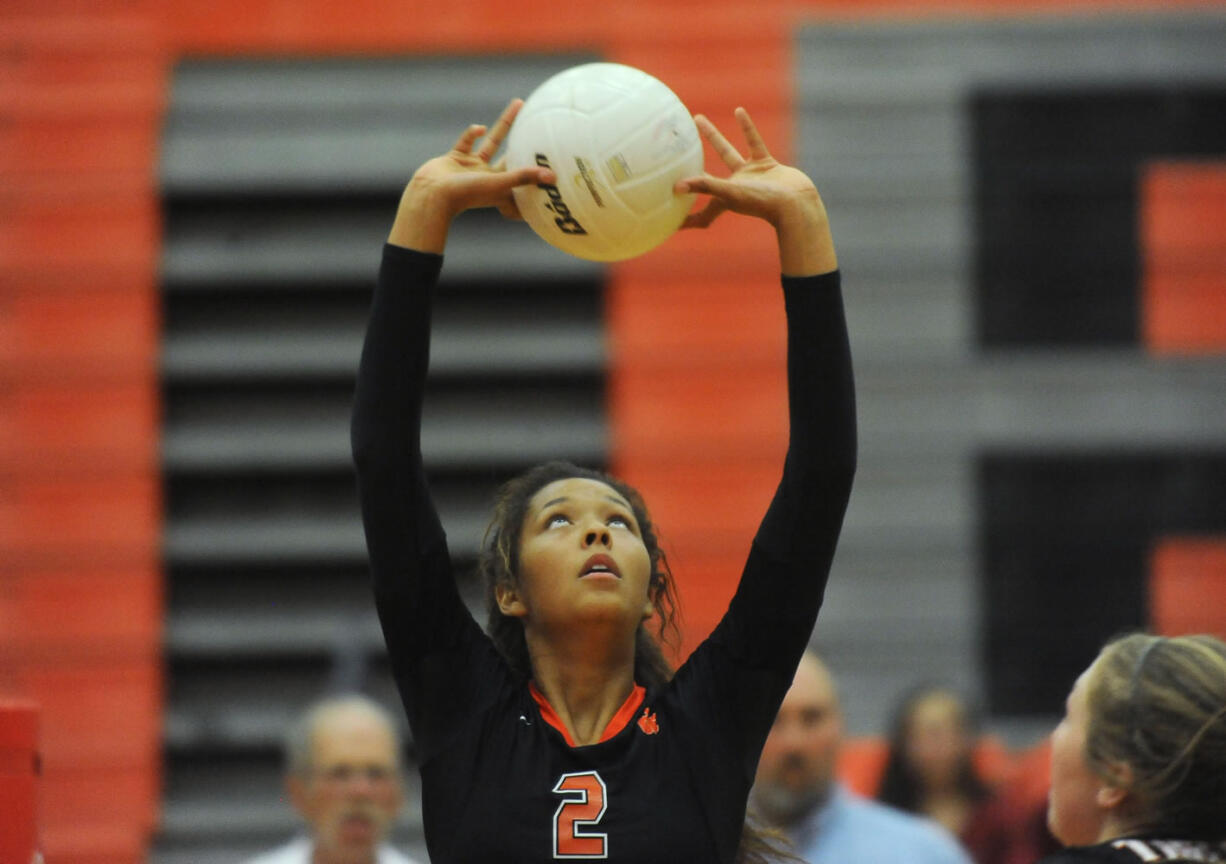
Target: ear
[1110,797]
[649,609]
[1111,793]
[509,601]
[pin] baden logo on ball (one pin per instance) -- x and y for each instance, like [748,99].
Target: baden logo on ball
[566,223]
[618,140]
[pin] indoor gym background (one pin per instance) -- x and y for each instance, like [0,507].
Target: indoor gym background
[1028,200]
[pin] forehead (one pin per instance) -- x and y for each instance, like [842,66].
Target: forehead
[579,489]
[1078,696]
[936,707]
[344,737]
[811,688]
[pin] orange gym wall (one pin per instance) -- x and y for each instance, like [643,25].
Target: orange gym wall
[696,391]
[1187,586]
[1182,208]
[1183,296]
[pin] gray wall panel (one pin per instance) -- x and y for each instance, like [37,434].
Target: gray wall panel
[883,129]
[280,180]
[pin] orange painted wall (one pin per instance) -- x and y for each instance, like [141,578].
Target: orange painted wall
[1187,586]
[81,94]
[1183,248]
[696,327]
[18,779]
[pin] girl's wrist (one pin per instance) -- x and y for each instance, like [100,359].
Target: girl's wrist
[423,219]
[806,247]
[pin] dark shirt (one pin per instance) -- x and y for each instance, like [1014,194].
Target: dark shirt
[500,782]
[1137,851]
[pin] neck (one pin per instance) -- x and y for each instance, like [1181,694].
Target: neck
[585,683]
[949,807]
[320,855]
[944,797]
[1115,828]
[942,787]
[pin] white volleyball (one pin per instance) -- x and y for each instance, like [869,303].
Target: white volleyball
[618,140]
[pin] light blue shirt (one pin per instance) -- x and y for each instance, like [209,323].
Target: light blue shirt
[854,830]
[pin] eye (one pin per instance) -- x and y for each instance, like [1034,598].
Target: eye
[338,774]
[622,520]
[556,519]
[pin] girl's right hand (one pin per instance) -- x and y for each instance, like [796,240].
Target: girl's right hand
[461,179]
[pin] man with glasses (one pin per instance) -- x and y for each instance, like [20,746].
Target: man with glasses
[344,779]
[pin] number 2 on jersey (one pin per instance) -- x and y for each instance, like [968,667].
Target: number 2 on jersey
[583,805]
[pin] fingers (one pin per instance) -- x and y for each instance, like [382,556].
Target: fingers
[705,185]
[757,147]
[704,217]
[709,185]
[499,131]
[526,176]
[491,188]
[496,135]
[485,187]
[465,142]
[719,143]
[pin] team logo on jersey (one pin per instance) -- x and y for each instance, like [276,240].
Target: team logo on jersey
[647,722]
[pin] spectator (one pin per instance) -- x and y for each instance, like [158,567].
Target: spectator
[796,788]
[344,778]
[930,771]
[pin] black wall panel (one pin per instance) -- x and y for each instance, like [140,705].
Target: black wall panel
[1056,215]
[1065,542]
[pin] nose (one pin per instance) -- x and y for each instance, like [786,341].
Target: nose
[597,536]
[785,737]
[363,784]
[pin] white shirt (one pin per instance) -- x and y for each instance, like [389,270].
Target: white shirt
[298,851]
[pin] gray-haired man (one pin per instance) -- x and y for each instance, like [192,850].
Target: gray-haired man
[344,779]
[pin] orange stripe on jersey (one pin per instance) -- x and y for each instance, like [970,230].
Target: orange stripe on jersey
[617,722]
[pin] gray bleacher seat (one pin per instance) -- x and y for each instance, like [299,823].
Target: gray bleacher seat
[279,181]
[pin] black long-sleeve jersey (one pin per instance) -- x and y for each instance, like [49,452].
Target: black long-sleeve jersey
[500,781]
[1141,850]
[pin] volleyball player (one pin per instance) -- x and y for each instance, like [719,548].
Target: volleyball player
[562,734]
[1139,760]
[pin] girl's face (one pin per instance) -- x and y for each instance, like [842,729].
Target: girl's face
[581,559]
[1074,813]
[937,741]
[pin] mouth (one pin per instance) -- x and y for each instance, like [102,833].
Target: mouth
[357,823]
[600,565]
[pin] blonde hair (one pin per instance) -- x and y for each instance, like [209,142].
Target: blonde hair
[1158,705]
